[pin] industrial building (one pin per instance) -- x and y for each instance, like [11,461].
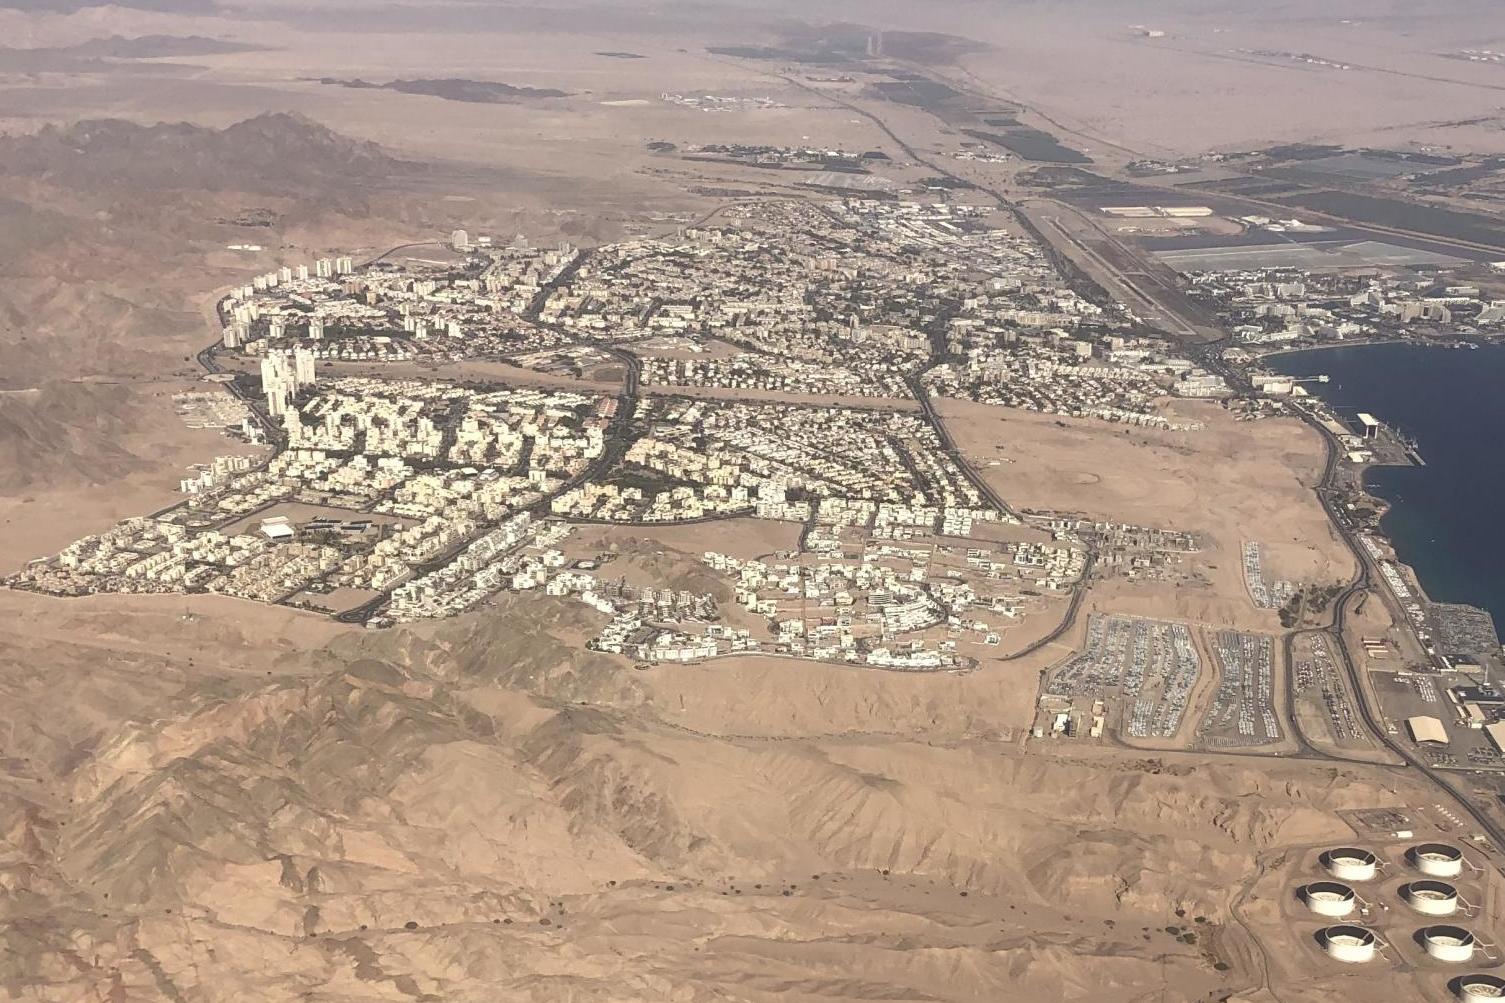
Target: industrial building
[1427,730]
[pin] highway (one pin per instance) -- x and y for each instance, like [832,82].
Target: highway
[403,247]
[948,446]
[1157,292]
[619,437]
[1367,706]
[1073,609]
[1209,354]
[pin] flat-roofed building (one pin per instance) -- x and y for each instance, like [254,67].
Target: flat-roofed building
[1425,730]
[277,528]
[1478,695]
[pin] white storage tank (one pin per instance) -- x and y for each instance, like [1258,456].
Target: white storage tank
[1431,898]
[1349,863]
[1349,944]
[1479,988]
[1329,898]
[1437,860]
[1452,944]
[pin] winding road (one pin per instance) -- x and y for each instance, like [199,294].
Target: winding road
[1209,354]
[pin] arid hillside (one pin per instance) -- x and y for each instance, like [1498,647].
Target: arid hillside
[216,800]
[277,152]
[115,237]
[467,812]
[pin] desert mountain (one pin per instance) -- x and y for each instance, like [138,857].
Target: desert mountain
[112,53]
[155,46]
[69,433]
[475,813]
[455,89]
[271,152]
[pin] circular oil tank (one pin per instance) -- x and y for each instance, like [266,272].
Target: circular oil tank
[1329,898]
[1431,898]
[1437,860]
[1349,863]
[1349,944]
[1479,988]
[1452,944]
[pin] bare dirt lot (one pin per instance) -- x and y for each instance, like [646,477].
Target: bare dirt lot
[1228,482]
[204,799]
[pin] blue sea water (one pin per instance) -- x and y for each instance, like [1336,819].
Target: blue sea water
[1447,518]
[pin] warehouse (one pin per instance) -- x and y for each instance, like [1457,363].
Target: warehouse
[1427,730]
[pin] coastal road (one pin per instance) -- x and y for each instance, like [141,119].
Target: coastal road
[1367,704]
[1208,352]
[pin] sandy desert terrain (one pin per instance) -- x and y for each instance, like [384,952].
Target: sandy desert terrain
[1172,480]
[205,799]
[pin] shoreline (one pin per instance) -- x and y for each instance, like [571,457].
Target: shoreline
[1351,344]
[1405,552]
[1456,344]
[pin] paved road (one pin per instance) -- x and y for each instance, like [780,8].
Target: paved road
[402,247]
[948,446]
[1210,356]
[1367,706]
